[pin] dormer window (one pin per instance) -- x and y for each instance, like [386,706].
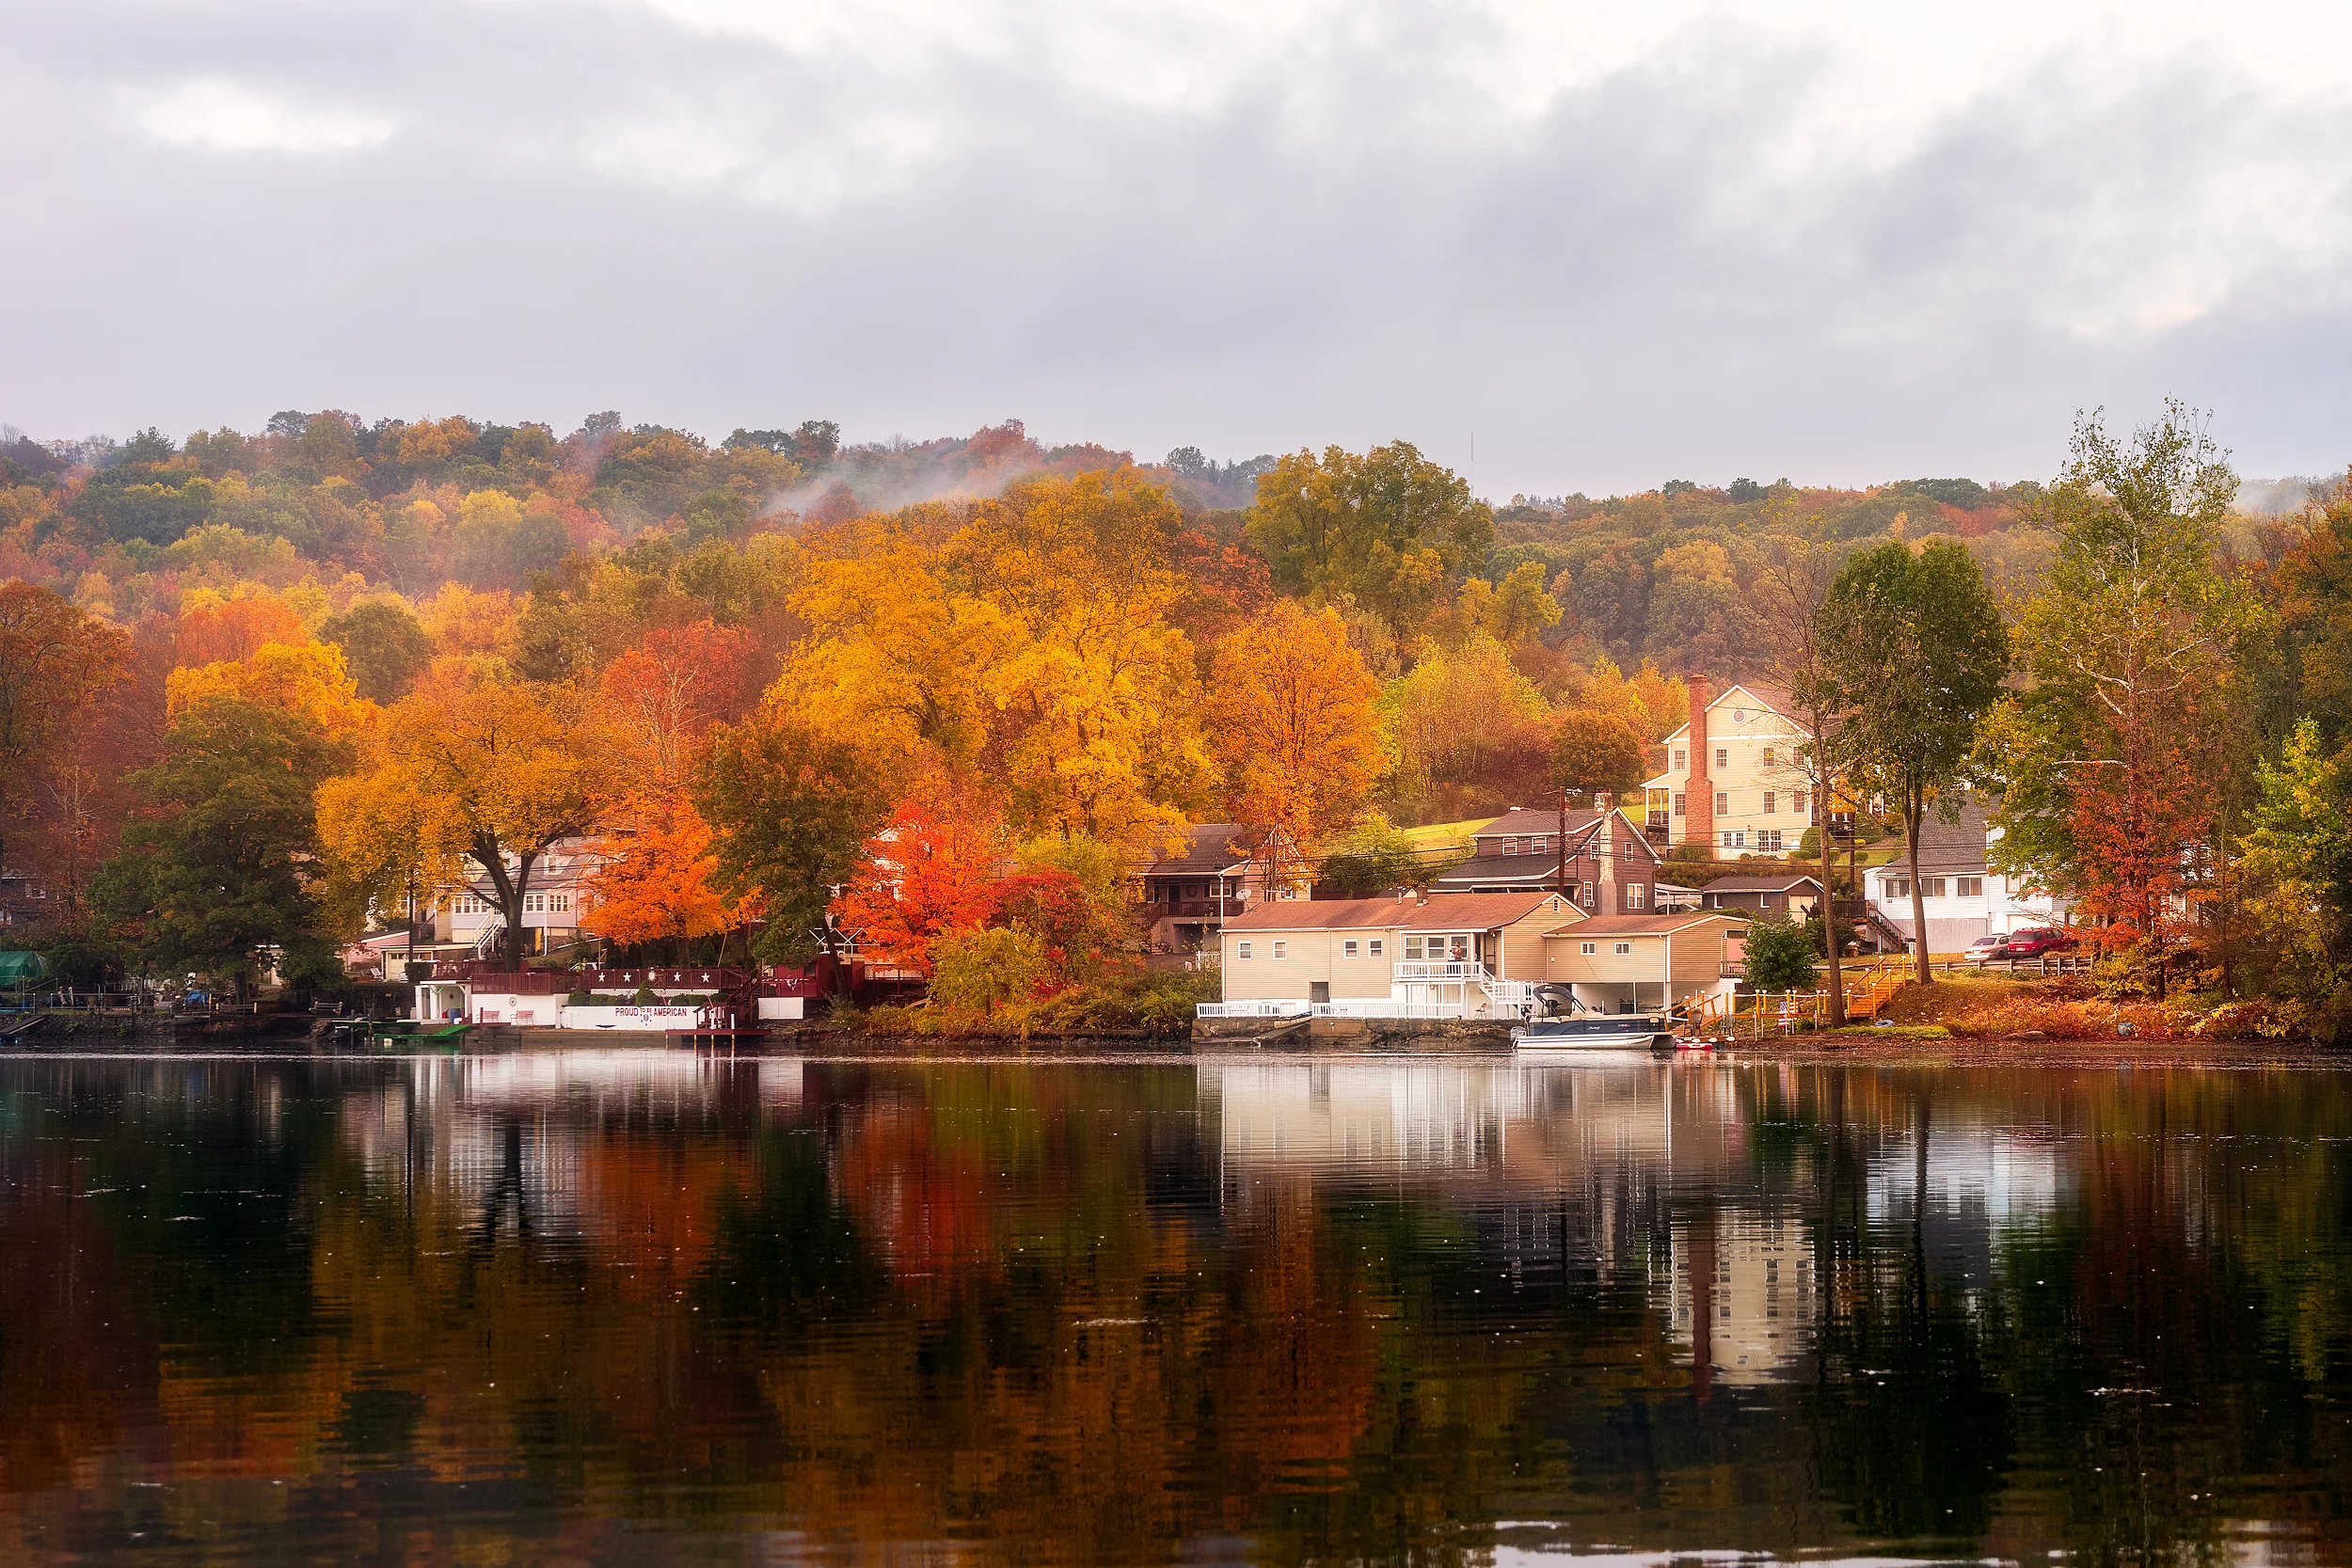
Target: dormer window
[1510,845]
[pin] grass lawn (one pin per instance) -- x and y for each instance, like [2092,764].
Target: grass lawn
[1446,836]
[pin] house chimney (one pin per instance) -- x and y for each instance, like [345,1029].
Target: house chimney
[1698,808]
[1605,854]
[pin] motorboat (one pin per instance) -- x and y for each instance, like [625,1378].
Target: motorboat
[1561,1022]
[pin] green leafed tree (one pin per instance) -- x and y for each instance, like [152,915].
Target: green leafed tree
[1915,652]
[790,811]
[1388,528]
[224,868]
[384,646]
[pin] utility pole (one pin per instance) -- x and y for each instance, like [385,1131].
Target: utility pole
[1563,878]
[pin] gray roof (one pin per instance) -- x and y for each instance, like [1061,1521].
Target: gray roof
[1946,849]
[1762,884]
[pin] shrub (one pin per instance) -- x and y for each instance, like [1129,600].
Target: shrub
[1782,955]
[645,997]
[581,999]
[887,1019]
[982,971]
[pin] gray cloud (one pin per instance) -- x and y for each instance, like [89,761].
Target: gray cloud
[1702,262]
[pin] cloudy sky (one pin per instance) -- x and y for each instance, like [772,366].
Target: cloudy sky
[1609,244]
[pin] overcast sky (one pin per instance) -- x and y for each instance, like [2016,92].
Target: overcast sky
[1616,243]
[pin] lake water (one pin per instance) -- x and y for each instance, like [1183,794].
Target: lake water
[637,1307]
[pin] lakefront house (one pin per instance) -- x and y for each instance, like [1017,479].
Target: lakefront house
[1964,897]
[1734,781]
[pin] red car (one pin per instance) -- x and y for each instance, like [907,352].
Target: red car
[2035,940]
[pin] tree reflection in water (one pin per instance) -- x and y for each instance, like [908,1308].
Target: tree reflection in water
[636,1304]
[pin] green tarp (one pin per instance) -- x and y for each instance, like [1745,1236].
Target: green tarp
[15,968]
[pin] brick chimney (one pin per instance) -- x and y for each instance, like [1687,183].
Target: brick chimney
[1698,810]
[1605,854]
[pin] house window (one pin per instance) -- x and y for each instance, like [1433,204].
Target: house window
[1624,949]
[1412,949]
[1930,887]
[1767,762]
[1510,845]
[1588,948]
[535,902]
[1722,802]
[1735,838]
[1589,893]
[1350,949]
[1539,846]
[560,902]
[1281,950]
[1679,798]
[1682,760]
[1723,757]
[1796,801]
[1244,952]
[1768,838]
[1636,896]
[1375,946]
[1897,887]
[1771,802]
[1970,887]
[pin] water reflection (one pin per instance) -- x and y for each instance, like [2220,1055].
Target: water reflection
[644,1305]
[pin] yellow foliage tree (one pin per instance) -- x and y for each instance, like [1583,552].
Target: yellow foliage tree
[1291,719]
[1025,648]
[308,680]
[461,620]
[464,769]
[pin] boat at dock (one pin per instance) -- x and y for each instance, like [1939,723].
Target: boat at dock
[1561,1022]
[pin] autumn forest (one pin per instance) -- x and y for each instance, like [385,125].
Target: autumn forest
[260,689]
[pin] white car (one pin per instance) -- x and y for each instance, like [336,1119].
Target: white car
[1986,949]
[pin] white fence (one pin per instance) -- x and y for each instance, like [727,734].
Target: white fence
[1383,1007]
[1253,1009]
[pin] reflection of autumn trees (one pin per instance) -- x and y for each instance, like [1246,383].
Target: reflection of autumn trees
[1033,1312]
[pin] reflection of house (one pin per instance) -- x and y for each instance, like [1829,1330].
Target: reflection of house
[1619,963]
[1217,869]
[1610,866]
[1732,779]
[1743,1295]
[1431,1115]
[1964,899]
[1784,897]
[1461,955]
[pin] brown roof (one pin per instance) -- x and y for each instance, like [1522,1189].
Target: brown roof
[1642,925]
[1209,847]
[1444,911]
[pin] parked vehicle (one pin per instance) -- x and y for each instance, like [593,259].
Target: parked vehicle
[2034,941]
[1986,949]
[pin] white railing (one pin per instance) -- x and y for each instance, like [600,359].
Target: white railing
[1509,993]
[1252,1009]
[1440,970]
[1383,1007]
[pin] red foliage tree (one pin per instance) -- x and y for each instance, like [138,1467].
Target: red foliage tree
[926,876]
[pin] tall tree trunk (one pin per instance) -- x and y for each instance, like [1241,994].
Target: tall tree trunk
[1830,937]
[1915,807]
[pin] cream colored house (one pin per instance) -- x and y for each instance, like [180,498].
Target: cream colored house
[1460,954]
[1734,780]
[1623,963]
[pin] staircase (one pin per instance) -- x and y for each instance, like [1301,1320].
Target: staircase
[1869,998]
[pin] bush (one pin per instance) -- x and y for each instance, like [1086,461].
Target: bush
[886,1020]
[980,972]
[644,997]
[581,999]
[1781,956]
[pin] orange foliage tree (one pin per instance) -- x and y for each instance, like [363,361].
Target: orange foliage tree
[925,877]
[226,630]
[656,885]
[1293,722]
